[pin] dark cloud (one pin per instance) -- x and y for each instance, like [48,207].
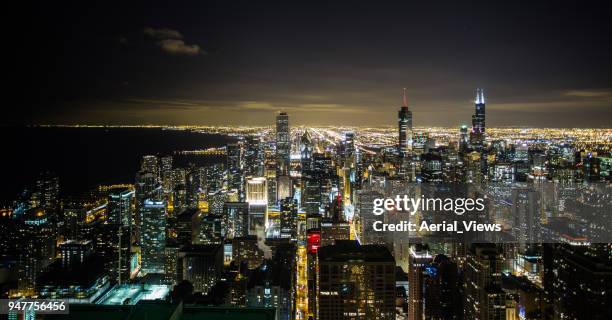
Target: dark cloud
[171,41]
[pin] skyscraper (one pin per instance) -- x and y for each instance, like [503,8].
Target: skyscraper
[355,282]
[283,144]
[235,219]
[419,259]
[149,163]
[348,144]
[235,165]
[120,206]
[46,194]
[166,173]
[37,246]
[306,151]
[201,265]
[288,218]
[405,128]
[253,156]
[477,135]
[441,292]
[463,138]
[484,298]
[153,235]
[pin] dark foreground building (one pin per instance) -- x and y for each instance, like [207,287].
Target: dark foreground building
[159,310]
[355,282]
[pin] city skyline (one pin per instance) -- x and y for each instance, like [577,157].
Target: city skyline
[261,227]
[541,65]
[308,161]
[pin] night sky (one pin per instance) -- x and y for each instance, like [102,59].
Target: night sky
[541,63]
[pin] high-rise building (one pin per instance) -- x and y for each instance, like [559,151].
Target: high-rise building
[579,278]
[201,265]
[405,128]
[235,165]
[153,235]
[306,151]
[253,156]
[166,173]
[441,291]
[256,191]
[526,211]
[37,246]
[46,194]
[119,207]
[288,218]
[365,214]
[271,185]
[184,224]
[464,139]
[419,259]
[335,227]
[484,298]
[179,189]
[355,282]
[348,144]
[284,187]
[171,252]
[283,144]
[149,163]
[311,193]
[208,229]
[270,286]
[119,212]
[235,219]
[74,252]
[245,250]
[477,136]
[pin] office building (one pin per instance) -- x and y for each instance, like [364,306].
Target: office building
[355,282]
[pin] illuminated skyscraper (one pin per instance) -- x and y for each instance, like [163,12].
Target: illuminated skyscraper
[418,260]
[365,212]
[245,250]
[149,163]
[484,298]
[256,191]
[283,144]
[405,128]
[306,150]
[288,218]
[464,139]
[235,166]
[477,135]
[208,229]
[253,156]
[235,219]
[153,235]
[179,189]
[74,252]
[37,246]
[46,194]
[166,173]
[349,144]
[119,206]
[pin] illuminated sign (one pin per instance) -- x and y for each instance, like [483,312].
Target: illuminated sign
[313,241]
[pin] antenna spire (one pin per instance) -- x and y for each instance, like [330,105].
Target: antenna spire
[480,96]
[404,100]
